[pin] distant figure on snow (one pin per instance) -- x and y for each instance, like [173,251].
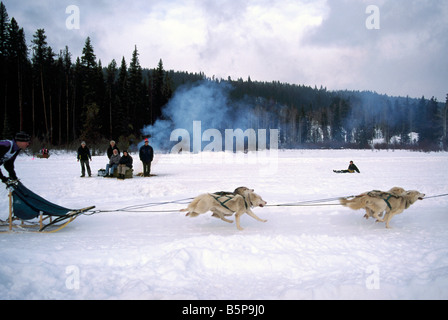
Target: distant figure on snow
[352,168]
[84,157]
[112,147]
[124,164]
[146,157]
[44,153]
[113,163]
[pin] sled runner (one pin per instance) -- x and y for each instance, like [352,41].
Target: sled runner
[26,206]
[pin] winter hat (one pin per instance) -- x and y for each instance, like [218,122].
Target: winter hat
[22,137]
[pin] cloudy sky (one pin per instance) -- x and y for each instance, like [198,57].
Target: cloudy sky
[321,42]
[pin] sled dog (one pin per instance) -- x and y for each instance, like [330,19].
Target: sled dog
[224,204]
[375,202]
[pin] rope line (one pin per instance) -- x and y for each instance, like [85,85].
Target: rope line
[308,203]
[438,196]
[137,208]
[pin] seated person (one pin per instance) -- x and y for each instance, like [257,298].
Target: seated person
[45,153]
[124,165]
[352,168]
[113,163]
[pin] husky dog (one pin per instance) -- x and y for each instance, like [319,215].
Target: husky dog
[375,202]
[224,204]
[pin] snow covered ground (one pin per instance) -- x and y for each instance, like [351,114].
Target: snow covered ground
[325,252]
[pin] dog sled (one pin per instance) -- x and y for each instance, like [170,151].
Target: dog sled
[28,212]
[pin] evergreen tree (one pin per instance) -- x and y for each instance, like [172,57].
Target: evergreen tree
[15,68]
[92,94]
[89,67]
[122,112]
[77,98]
[40,51]
[161,91]
[429,124]
[111,95]
[67,66]
[4,23]
[135,92]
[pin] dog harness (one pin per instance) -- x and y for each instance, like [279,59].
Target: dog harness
[384,195]
[228,195]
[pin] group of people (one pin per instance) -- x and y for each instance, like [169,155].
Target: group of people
[121,163]
[117,162]
[10,149]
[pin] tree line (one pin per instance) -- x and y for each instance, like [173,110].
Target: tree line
[60,100]
[316,117]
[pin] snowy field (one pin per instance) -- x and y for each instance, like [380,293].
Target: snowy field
[323,252]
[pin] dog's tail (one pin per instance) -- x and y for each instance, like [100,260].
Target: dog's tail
[191,208]
[356,203]
[189,213]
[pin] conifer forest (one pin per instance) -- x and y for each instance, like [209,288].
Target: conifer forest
[60,100]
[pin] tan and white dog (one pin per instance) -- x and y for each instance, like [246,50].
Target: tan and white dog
[224,204]
[375,202]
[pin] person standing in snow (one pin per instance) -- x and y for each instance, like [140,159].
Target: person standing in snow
[9,150]
[112,147]
[146,157]
[84,157]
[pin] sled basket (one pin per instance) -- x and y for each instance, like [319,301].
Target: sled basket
[25,205]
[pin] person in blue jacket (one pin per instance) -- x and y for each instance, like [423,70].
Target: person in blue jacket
[146,157]
[9,150]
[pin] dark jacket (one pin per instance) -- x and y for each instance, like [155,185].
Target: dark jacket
[110,151]
[84,153]
[353,168]
[126,160]
[9,150]
[146,154]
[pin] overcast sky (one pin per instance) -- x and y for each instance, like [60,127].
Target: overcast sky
[322,42]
